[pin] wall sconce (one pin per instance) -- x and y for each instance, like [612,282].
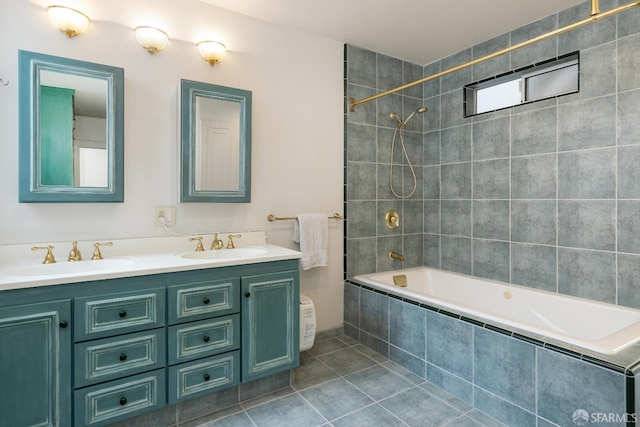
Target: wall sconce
[69,21]
[212,52]
[151,39]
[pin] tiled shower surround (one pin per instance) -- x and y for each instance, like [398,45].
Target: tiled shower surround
[545,195]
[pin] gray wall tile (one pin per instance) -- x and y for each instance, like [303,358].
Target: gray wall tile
[629,172]
[629,226]
[374,314]
[534,177]
[407,327]
[534,132]
[534,266]
[588,224]
[456,144]
[491,139]
[352,304]
[491,179]
[629,280]
[587,274]
[455,254]
[455,181]
[566,384]
[628,123]
[587,124]
[491,259]
[505,367]
[628,63]
[534,221]
[588,174]
[448,344]
[456,217]
[491,219]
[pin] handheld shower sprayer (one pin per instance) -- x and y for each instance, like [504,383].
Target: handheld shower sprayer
[399,130]
[401,122]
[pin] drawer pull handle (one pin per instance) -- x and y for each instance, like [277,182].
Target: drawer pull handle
[122,313]
[207,377]
[64,324]
[247,294]
[205,339]
[123,357]
[205,301]
[123,401]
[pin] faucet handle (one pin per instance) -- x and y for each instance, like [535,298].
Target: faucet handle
[199,247]
[75,254]
[216,243]
[230,244]
[96,253]
[48,258]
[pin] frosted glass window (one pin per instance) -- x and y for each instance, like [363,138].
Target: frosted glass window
[552,78]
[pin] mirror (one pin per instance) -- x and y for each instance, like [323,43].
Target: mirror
[216,143]
[71,130]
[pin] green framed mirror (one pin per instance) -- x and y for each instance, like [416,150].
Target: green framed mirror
[215,129]
[71,130]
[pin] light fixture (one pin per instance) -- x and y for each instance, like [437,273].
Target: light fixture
[69,21]
[151,39]
[212,52]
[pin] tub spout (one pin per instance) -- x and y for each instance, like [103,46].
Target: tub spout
[395,256]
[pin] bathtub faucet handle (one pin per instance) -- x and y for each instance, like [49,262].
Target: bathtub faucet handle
[395,256]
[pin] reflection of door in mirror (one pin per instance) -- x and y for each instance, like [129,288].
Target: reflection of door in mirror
[73,130]
[217,144]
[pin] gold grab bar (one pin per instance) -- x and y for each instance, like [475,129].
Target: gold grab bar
[272,217]
[596,15]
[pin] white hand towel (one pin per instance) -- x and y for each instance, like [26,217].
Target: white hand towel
[312,232]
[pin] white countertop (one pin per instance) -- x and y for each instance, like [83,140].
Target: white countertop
[20,267]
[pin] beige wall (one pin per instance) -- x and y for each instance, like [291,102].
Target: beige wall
[296,80]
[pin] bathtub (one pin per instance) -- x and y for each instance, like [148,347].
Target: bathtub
[579,323]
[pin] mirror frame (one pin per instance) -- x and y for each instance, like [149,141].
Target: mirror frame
[189,90]
[30,64]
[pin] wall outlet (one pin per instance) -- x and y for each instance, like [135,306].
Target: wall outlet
[165,215]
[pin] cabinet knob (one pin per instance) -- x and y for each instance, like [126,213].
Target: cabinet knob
[122,313]
[205,301]
[247,294]
[64,324]
[205,339]
[123,401]
[123,357]
[207,377]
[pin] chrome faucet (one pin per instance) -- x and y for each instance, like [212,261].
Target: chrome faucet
[395,256]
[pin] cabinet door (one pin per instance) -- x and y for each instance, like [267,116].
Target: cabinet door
[35,365]
[270,324]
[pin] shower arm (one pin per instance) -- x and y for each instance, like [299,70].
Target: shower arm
[596,15]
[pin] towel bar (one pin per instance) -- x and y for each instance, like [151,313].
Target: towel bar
[272,217]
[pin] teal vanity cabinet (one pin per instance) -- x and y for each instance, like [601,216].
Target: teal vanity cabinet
[35,364]
[118,335]
[97,352]
[270,323]
[204,335]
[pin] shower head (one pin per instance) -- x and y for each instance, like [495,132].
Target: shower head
[413,113]
[395,116]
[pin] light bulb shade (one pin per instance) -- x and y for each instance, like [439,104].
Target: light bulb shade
[70,21]
[212,52]
[151,39]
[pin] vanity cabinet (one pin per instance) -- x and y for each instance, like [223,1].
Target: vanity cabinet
[270,322]
[35,364]
[93,353]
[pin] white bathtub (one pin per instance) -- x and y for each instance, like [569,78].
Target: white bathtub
[580,323]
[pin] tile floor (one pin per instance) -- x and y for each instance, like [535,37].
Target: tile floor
[342,383]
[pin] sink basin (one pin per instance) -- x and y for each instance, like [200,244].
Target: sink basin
[226,254]
[66,268]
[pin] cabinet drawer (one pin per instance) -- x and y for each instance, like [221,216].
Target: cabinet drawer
[202,300]
[111,358]
[109,402]
[204,338]
[114,314]
[203,376]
